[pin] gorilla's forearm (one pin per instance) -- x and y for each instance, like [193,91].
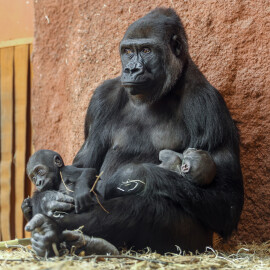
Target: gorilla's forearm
[219,211]
[91,154]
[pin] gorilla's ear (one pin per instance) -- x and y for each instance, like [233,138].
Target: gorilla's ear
[176,45]
[58,162]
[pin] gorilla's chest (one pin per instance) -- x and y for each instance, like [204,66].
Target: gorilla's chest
[143,135]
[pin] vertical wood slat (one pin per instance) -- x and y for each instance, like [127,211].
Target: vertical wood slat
[6,137]
[21,80]
[0,151]
[30,118]
[30,146]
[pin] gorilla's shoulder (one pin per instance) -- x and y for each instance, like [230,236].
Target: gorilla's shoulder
[109,87]
[109,97]
[109,91]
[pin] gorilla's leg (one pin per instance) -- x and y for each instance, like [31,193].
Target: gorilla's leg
[46,237]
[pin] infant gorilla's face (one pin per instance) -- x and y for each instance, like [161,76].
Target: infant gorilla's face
[42,177]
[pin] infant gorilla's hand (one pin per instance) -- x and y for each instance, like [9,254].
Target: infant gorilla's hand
[45,234]
[27,208]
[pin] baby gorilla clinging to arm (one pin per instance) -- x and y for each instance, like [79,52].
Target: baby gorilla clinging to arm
[47,171]
[195,165]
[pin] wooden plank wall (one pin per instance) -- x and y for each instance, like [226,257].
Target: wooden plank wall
[15,135]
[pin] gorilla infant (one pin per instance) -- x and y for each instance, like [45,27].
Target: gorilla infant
[195,165]
[45,169]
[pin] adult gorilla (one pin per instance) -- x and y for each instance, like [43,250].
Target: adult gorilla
[161,101]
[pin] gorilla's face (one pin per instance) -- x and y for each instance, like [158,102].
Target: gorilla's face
[152,53]
[43,170]
[143,66]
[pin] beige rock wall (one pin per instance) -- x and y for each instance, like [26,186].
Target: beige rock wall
[76,48]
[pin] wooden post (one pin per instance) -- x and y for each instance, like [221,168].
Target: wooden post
[21,80]
[6,138]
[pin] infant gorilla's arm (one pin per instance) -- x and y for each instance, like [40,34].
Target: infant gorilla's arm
[170,160]
[27,208]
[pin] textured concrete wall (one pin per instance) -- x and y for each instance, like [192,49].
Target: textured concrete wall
[76,48]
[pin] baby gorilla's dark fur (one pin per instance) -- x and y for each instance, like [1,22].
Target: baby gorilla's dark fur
[47,171]
[195,165]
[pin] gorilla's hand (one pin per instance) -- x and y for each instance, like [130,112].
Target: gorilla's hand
[56,202]
[45,235]
[82,198]
[27,208]
[82,195]
[90,245]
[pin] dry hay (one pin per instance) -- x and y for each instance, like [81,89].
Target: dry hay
[245,257]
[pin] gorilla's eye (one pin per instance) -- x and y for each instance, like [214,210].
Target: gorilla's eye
[41,172]
[128,51]
[34,178]
[146,50]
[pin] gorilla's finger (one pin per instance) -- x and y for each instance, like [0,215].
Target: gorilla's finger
[35,222]
[74,238]
[71,235]
[37,236]
[60,206]
[64,198]
[39,251]
[77,207]
[37,243]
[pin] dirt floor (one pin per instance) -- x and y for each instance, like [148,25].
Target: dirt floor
[243,257]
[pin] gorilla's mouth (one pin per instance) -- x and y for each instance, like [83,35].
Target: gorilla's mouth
[127,84]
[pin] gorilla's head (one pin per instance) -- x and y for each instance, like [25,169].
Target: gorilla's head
[43,169]
[153,53]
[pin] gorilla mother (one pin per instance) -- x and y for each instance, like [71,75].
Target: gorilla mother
[161,101]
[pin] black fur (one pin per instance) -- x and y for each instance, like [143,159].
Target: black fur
[130,125]
[48,173]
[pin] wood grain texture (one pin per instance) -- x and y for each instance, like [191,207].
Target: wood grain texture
[7,55]
[21,81]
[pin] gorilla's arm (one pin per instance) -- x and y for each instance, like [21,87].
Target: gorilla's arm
[217,206]
[97,129]
[27,208]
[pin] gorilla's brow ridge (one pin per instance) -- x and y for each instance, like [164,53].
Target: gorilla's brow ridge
[140,42]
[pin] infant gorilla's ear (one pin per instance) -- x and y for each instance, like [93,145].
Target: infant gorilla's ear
[58,162]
